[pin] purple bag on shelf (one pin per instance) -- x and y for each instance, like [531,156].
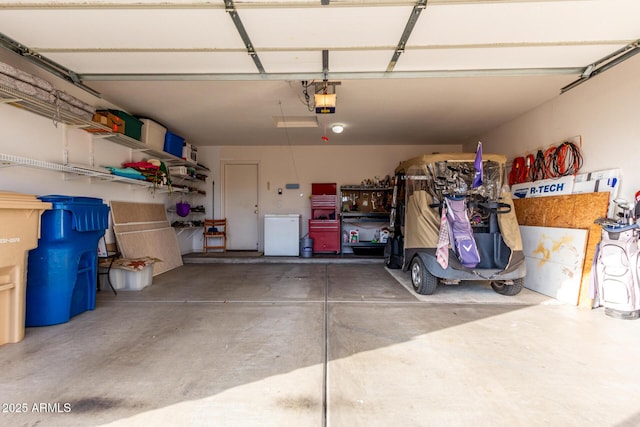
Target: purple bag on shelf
[183,209]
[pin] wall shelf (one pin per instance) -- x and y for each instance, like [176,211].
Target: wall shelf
[366,245]
[134,144]
[360,216]
[58,115]
[191,212]
[364,188]
[181,178]
[7,160]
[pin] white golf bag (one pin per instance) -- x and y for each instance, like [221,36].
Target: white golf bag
[617,271]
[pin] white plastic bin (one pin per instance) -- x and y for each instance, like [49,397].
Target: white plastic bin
[126,280]
[189,153]
[153,134]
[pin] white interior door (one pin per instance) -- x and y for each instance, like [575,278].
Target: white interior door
[241,205]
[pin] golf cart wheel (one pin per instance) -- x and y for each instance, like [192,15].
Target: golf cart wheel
[502,288]
[422,280]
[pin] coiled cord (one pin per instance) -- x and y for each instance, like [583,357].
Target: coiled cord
[567,159]
[554,162]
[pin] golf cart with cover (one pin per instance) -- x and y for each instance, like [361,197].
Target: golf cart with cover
[453,220]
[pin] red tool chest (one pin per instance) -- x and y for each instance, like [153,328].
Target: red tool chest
[324,225]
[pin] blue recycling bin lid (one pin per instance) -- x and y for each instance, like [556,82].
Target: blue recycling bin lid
[57,199]
[88,213]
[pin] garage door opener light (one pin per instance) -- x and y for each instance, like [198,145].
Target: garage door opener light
[325,97]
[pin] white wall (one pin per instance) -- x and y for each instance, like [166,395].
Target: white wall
[605,111]
[304,165]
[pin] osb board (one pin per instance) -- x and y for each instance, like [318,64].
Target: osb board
[131,212]
[570,211]
[161,243]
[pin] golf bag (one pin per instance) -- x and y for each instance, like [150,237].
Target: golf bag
[617,272]
[461,233]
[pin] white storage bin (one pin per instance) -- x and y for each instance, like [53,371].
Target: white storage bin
[178,170]
[189,153]
[126,280]
[153,134]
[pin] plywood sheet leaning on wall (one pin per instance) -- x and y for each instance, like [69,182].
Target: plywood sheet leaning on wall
[142,229]
[570,211]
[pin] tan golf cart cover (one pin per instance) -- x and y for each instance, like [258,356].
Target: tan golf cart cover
[422,222]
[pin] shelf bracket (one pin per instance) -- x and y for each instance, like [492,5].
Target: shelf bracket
[9,100]
[68,176]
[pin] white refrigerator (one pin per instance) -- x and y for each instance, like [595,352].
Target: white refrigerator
[282,235]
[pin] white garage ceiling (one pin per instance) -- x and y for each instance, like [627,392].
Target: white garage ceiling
[464,68]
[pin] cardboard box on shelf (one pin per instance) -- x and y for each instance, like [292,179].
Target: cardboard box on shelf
[113,122]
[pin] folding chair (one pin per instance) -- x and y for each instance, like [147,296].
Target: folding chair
[215,229]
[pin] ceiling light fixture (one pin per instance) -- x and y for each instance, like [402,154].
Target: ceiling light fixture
[337,128]
[295,121]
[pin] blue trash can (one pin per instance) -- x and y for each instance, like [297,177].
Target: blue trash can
[62,272]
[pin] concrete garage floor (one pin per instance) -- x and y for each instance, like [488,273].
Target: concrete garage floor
[309,344]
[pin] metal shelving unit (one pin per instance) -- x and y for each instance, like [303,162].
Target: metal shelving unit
[373,216]
[365,220]
[7,160]
[181,178]
[100,132]
[32,104]
[134,144]
[364,188]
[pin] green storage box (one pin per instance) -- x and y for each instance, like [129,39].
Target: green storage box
[132,126]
